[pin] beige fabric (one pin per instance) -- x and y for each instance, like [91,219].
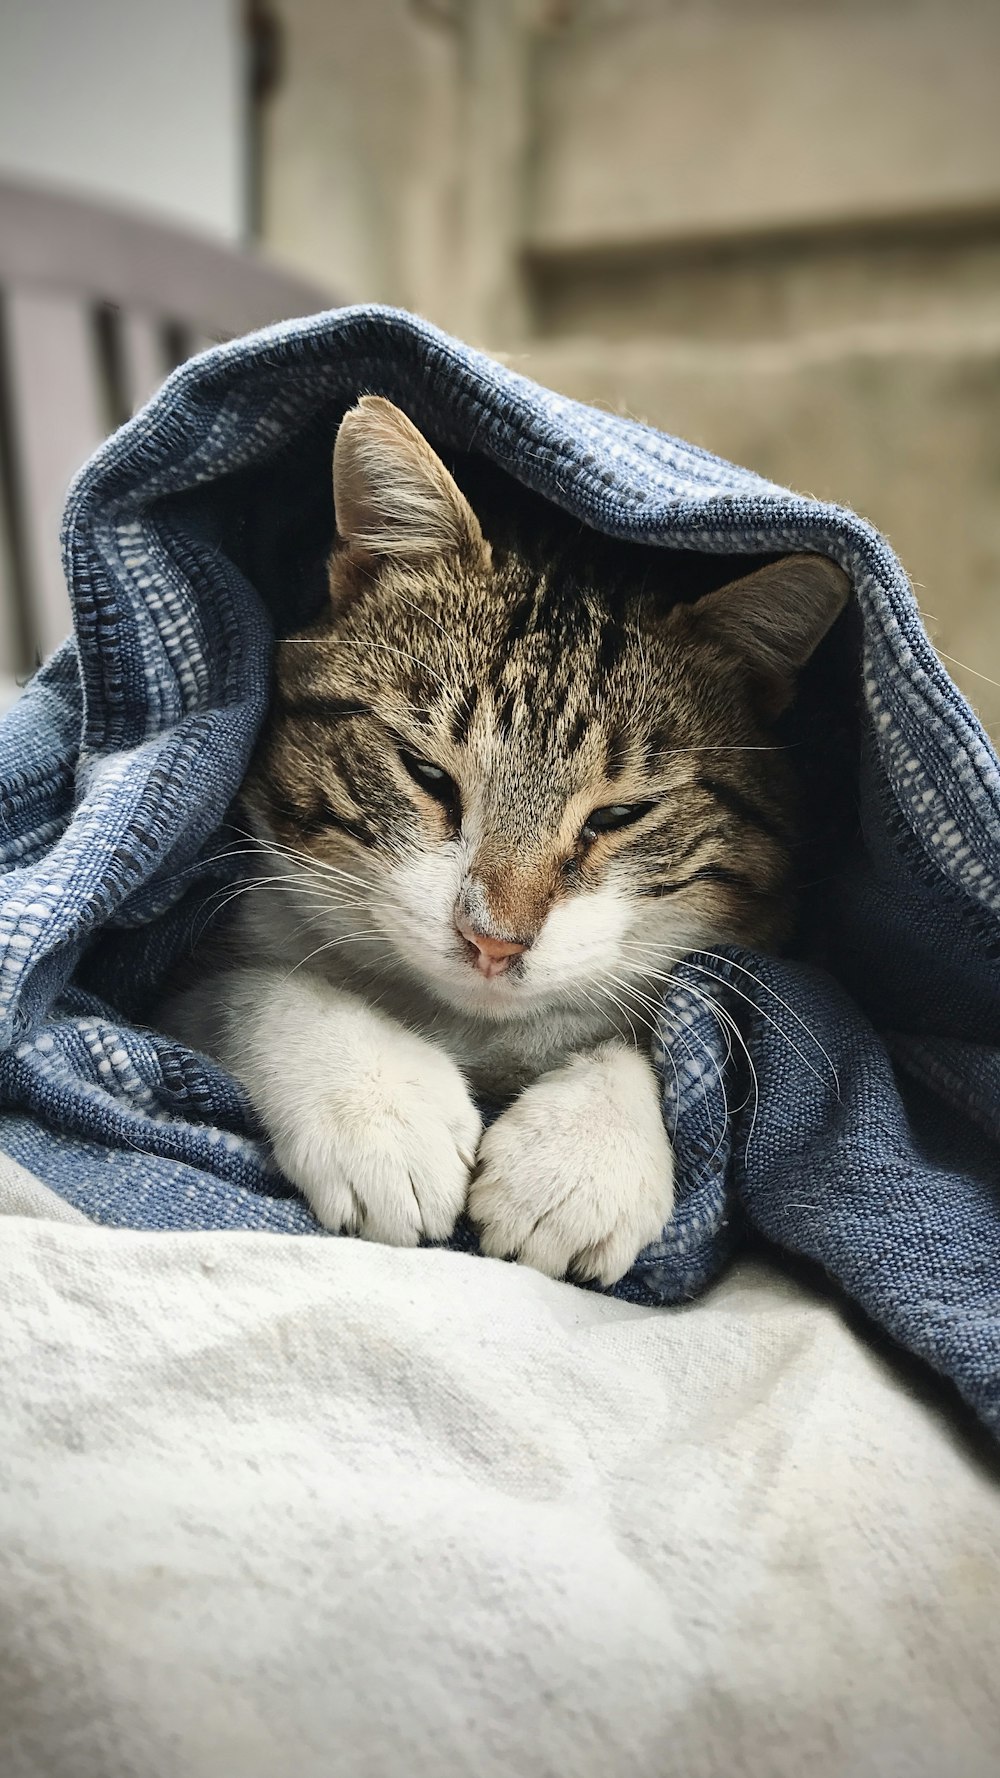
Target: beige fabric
[275,1506]
[21,1194]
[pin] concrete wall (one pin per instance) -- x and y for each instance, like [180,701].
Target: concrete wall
[357,165]
[701,118]
[903,425]
[772,226]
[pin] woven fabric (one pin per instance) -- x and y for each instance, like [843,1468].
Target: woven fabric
[866,1134]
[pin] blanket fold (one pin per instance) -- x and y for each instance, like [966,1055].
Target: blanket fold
[860,1126]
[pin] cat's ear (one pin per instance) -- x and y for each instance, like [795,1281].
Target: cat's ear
[775,619]
[392,494]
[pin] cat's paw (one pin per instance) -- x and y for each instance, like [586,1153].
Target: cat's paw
[577,1175]
[383,1148]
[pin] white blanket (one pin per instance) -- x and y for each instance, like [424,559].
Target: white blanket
[277,1508]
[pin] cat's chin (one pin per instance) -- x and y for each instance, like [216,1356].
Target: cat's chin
[498,1001]
[502,999]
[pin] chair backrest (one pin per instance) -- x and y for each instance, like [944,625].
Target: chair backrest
[96,307]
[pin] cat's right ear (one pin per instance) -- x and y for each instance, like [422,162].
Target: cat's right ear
[393,497]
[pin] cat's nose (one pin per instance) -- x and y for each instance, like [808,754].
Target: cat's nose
[493,955]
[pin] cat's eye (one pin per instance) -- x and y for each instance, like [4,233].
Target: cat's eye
[434,779]
[615,815]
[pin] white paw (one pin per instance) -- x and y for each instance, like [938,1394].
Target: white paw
[577,1176]
[381,1141]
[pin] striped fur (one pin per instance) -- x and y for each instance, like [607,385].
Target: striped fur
[507,782]
[546,680]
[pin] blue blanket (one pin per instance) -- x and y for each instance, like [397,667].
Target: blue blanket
[867,1133]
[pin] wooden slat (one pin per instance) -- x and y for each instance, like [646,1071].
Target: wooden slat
[57,422]
[144,361]
[49,242]
[10,661]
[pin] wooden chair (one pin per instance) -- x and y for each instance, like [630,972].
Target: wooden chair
[96,307]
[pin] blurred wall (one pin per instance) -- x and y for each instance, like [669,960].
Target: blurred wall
[132,101]
[770,225]
[359,149]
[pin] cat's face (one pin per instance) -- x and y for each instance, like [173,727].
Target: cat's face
[521,789]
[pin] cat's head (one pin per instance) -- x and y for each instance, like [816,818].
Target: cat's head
[516,783]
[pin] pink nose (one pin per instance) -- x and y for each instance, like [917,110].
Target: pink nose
[493,955]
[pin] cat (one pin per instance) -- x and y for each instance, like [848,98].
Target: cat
[500,793]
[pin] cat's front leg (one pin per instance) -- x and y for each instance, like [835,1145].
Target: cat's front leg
[374,1125]
[577,1175]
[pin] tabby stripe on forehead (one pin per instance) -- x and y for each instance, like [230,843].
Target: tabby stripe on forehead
[708,873]
[461,721]
[612,647]
[742,807]
[505,714]
[581,726]
[618,754]
[529,690]
[550,598]
[518,623]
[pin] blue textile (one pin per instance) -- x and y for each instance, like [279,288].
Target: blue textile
[866,1135]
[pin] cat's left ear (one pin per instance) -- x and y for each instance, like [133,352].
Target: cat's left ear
[774,620]
[393,496]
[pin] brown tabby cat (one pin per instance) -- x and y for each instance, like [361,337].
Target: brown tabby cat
[498,796]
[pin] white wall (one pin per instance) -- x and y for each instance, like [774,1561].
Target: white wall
[139,102]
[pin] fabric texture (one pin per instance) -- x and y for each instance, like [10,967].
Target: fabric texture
[273,1506]
[867,1135]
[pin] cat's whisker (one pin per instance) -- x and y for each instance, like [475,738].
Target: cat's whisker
[594,1005]
[626,1011]
[229,892]
[725,1019]
[334,894]
[331,944]
[414,660]
[283,880]
[729,1029]
[257,843]
[966,668]
[656,1009]
[322,903]
[330,881]
[306,859]
[731,964]
[724,747]
[452,644]
[653,1028]
[766,1016]
[761,1011]
[609,994]
[640,648]
[668,1053]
